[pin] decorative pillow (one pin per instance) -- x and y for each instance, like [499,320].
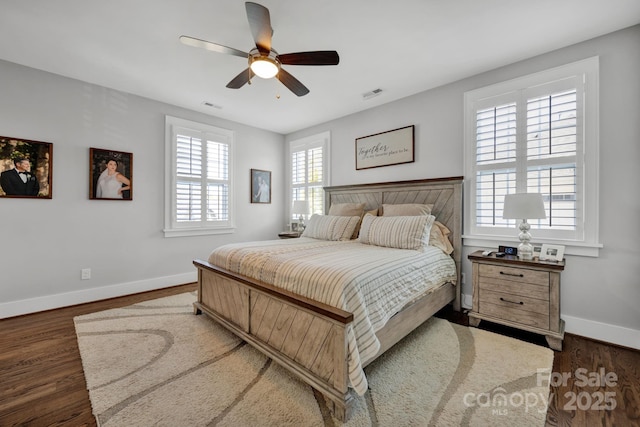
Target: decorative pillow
[331,227]
[402,232]
[439,237]
[349,209]
[407,209]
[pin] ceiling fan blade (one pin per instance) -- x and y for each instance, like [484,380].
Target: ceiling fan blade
[260,23]
[292,83]
[320,57]
[240,80]
[214,47]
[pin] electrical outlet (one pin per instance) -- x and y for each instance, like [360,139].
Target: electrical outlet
[462,278]
[85,274]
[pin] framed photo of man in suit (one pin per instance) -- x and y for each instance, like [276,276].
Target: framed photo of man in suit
[26,168]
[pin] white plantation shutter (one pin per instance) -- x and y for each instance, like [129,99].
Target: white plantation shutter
[495,160]
[491,187]
[309,171]
[188,182]
[531,135]
[217,181]
[552,140]
[198,184]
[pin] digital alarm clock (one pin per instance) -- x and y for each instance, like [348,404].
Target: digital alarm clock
[508,250]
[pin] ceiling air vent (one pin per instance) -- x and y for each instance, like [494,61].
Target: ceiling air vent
[209,104]
[371,94]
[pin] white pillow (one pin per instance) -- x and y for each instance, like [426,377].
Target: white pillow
[402,232]
[331,227]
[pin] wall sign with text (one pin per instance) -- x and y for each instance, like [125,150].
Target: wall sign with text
[387,148]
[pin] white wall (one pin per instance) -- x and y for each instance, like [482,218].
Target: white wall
[45,243]
[600,296]
[122,241]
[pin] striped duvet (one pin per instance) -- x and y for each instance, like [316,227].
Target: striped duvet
[372,282]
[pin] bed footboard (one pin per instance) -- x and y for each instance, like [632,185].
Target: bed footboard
[306,337]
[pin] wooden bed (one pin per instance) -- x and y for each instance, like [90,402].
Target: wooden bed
[315,348]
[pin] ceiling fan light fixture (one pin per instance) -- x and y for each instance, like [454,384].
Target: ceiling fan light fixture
[265,68]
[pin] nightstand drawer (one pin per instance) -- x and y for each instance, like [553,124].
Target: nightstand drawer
[501,272]
[531,290]
[515,308]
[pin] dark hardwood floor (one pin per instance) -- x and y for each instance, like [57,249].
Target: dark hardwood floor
[581,391]
[41,377]
[42,382]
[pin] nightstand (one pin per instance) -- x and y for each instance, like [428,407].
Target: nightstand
[518,293]
[289,235]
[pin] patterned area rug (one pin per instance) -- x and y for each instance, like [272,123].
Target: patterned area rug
[156,363]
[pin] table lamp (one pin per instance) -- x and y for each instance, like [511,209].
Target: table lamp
[524,206]
[300,208]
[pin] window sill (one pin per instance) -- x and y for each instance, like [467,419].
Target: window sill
[185,232]
[570,247]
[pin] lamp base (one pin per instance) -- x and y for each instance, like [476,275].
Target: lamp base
[525,249]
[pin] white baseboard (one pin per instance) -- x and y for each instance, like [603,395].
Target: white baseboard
[606,332]
[33,305]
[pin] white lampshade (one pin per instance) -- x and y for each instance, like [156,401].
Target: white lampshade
[523,206]
[299,207]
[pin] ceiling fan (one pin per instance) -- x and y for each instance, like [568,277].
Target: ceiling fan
[264,61]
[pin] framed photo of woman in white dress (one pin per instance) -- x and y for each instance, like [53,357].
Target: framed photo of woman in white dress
[110,175]
[260,186]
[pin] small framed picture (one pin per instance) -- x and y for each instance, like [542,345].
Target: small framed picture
[110,174]
[260,186]
[536,251]
[551,252]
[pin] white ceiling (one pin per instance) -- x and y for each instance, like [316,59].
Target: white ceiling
[402,47]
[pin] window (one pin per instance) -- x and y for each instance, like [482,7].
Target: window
[198,187]
[536,134]
[309,171]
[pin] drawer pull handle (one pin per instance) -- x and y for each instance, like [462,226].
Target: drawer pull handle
[512,302]
[511,274]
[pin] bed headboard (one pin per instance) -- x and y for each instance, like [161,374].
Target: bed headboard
[444,193]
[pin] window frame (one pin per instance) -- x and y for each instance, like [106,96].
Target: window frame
[173,228]
[584,241]
[307,143]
